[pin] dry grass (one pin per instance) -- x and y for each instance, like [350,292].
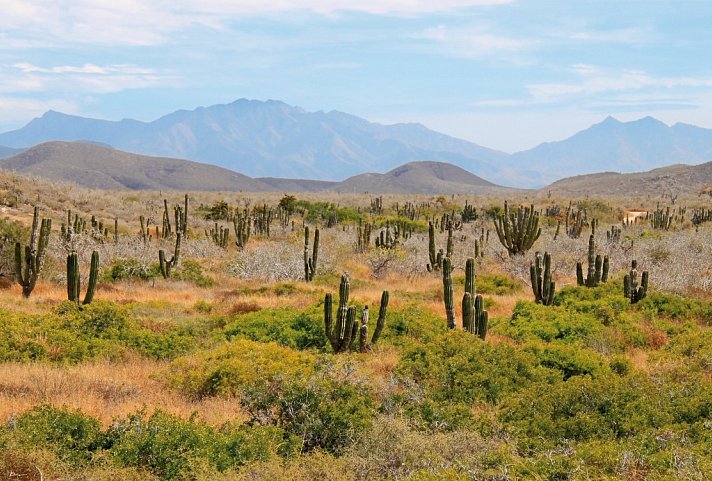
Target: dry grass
[103,390]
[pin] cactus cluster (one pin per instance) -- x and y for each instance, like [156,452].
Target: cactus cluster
[241,223]
[73,278]
[660,219]
[219,235]
[518,229]
[540,275]
[597,270]
[575,221]
[33,254]
[377,206]
[474,317]
[310,262]
[342,335]
[363,241]
[468,214]
[631,289]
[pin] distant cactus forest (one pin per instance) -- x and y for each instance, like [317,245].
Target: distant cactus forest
[208,336]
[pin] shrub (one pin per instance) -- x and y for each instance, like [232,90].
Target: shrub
[237,365]
[73,435]
[130,269]
[190,271]
[287,327]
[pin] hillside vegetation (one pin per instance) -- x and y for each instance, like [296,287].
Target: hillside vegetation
[229,364]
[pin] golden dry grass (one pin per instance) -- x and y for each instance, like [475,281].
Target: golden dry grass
[105,390]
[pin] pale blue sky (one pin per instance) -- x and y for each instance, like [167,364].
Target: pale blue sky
[504,74]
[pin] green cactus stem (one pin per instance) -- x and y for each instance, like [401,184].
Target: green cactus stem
[381,322]
[340,334]
[33,254]
[447,293]
[540,275]
[73,277]
[631,289]
[310,263]
[597,270]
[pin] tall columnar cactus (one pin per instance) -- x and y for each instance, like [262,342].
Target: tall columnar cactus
[631,289]
[310,262]
[436,258]
[381,318]
[540,274]
[474,317]
[597,270]
[167,265]
[166,231]
[341,333]
[447,293]
[73,278]
[33,254]
[661,219]
[518,230]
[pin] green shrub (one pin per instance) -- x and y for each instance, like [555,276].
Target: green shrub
[323,412]
[285,326]
[130,269]
[235,366]
[190,271]
[71,434]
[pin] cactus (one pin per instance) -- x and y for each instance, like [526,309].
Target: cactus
[166,231]
[310,262]
[574,222]
[436,258]
[340,334]
[364,236]
[518,230]
[168,265]
[597,270]
[241,222]
[542,285]
[474,317]
[381,317]
[468,214]
[660,219]
[631,289]
[73,278]
[219,235]
[447,293]
[33,254]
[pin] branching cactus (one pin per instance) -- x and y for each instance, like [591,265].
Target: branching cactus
[597,270]
[167,265]
[518,230]
[241,222]
[540,274]
[436,258]
[73,278]
[631,289]
[310,262]
[33,254]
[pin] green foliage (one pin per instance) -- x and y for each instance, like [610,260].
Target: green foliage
[236,365]
[288,327]
[71,434]
[493,284]
[190,271]
[322,410]
[130,269]
[319,212]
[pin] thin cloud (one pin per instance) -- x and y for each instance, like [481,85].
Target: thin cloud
[87,78]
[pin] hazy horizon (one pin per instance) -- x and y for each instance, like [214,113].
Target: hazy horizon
[504,74]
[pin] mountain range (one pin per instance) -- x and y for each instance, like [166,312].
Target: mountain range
[276,141]
[97,166]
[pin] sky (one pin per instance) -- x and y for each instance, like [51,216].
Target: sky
[506,74]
